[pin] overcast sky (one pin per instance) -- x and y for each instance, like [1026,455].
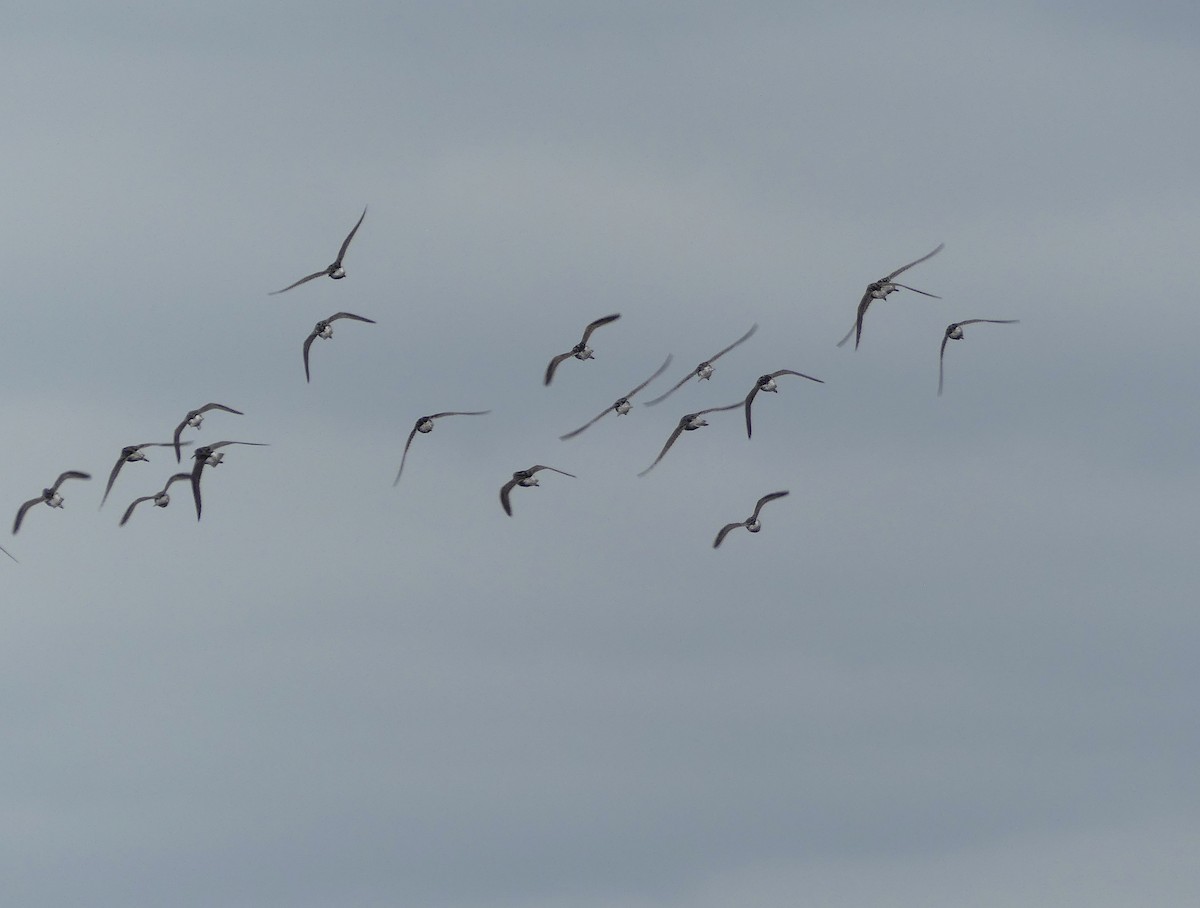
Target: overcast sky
[958,666]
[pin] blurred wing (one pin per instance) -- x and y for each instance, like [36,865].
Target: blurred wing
[794,372]
[942,361]
[657,372]
[9,554]
[411,436]
[542,466]
[666,448]
[769,497]
[303,280]
[112,477]
[749,401]
[21,512]
[69,474]
[587,332]
[129,510]
[904,268]
[744,337]
[554,365]
[586,425]
[308,342]
[504,490]
[349,237]
[915,290]
[725,532]
[683,381]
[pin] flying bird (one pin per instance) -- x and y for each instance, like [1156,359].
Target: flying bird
[207,455]
[424,425]
[751,523]
[160,499]
[194,418]
[703,371]
[689,423]
[879,289]
[581,350]
[622,405]
[335,271]
[49,496]
[767,383]
[132,454]
[955,332]
[324,329]
[525,478]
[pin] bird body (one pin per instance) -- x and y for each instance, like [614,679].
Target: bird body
[335,270]
[525,479]
[581,350]
[878,290]
[954,331]
[752,522]
[703,371]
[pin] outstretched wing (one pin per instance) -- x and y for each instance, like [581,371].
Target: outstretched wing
[554,365]
[411,436]
[587,332]
[744,337]
[349,237]
[771,496]
[665,449]
[504,490]
[359,318]
[134,504]
[725,532]
[904,268]
[308,342]
[21,512]
[303,280]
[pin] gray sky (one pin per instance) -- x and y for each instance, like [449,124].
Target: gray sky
[957,666]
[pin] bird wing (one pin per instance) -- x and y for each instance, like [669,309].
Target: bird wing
[666,448]
[679,384]
[349,237]
[504,490]
[308,342]
[9,554]
[460,413]
[208,407]
[134,504]
[794,372]
[411,436]
[359,318]
[554,365]
[750,400]
[112,477]
[21,512]
[915,290]
[542,466]
[904,268]
[771,496]
[586,425]
[725,532]
[992,321]
[657,372]
[587,332]
[68,474]
[942,358]
[303,280]
[197,468]
[744,337]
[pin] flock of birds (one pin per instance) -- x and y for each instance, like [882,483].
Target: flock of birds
[211,455]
